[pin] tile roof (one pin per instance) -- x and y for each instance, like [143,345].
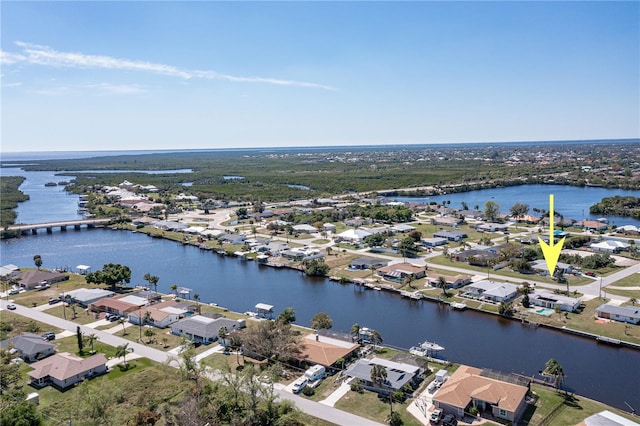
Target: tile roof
[65,365]
[326,351]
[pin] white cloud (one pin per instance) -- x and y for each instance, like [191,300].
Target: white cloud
[46,56]
[117,89]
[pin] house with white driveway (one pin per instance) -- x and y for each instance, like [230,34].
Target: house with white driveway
[492,291]
[201,329]
[63,370]
[549,299]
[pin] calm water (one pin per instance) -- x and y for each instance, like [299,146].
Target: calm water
[571,201]
[601,372]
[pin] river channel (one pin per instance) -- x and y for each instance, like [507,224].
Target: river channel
[602,372]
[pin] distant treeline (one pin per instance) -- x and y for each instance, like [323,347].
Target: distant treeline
[10,196]
[617,206]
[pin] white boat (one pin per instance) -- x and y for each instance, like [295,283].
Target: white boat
[416,350]
[431,346]
[459,306]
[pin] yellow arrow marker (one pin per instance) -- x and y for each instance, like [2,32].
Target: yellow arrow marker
[550,251]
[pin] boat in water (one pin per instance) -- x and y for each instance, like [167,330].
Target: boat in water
[426,348]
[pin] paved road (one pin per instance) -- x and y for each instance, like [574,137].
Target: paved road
[312,408]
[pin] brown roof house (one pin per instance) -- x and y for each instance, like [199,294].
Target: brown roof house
[37,279]
[325,350]
[64,369]
[398,271]
[466,388]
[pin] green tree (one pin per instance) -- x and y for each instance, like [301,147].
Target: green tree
[37,260]
[633,301]
[122,351]
[80,340]
[287,316]
[111,274]
[491,209]
[525,300]
[519,209]
[23,413]
[378,375]
[196,298]
[355,331]
[376,337]
[442,283]
[316,268]
[505,308]
[152,280]
[407,246]
[149,333]
[321,320]
[554,369]
[374,240]
[223,333]
[91,340]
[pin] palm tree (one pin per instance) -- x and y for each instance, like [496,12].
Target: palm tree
[378,375]
[196,298]
[355,331]
[223,333]
[149,333]
[633,301]
[121,351]
[174,289]
[376,338]
[121,321]
[442,284]
[553,368]
[90,339]
[37,260]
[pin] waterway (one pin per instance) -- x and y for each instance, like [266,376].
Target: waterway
[572,202]
[605,373]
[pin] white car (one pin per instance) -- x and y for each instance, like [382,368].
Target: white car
[11,307]
[299,385]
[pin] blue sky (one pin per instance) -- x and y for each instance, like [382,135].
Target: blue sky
[168,75]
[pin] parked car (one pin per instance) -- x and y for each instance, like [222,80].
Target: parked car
[436,416]
[450,420]
[11,307]
[54,301]
[299,385]
[14,291]
[590,274]
[50,335]
[114,317]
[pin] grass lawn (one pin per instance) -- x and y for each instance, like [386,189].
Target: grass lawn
[574,409]
[368,405]
[630,281]
[18,324]
[324,389]
[625,293]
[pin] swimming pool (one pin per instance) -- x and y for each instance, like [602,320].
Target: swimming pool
[544,311]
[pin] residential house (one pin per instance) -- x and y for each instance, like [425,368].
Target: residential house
[492,291]
[527,218]
[232,238]
[446,220]
[630,314]
[9,271]
[609,246]
[540,265]
[161,315]
[329,227]
[64,369]
[453,281]
[365,263]
[357,221]
[398,374]
[402,228]
[467,388]
[301,254]
[591,225]
[476,257]
[628,230]
[352,235]
[548,299]
[451,235]
[201,329]
[433,242]
[30,346]
[122,306]
[86,296]
[398,271]
[305,229]
[469,214]
[492,227]
[326,351]
[38,278]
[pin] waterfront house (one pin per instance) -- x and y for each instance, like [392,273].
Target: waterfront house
[453,281]
[232,238]
[527,218]
[37,279]
[491,291]
[630,314]
[628,230]
[398,271]
[467,388]
[300,254]
[365,263]
[549,299]
[451,235]
[86,296]
[201,329]
[64,369]
[398,374]
[591,225]
[29,346]
[326,351]
[161,315]
[9,271]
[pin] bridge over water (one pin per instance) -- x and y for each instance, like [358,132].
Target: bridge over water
[63,225]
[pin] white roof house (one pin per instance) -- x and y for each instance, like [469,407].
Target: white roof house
[549,299]
[609,246]
[86,296]
[494,291]
[308,229]
[355,235]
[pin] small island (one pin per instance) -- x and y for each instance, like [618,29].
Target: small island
[617,206]
[51,184]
